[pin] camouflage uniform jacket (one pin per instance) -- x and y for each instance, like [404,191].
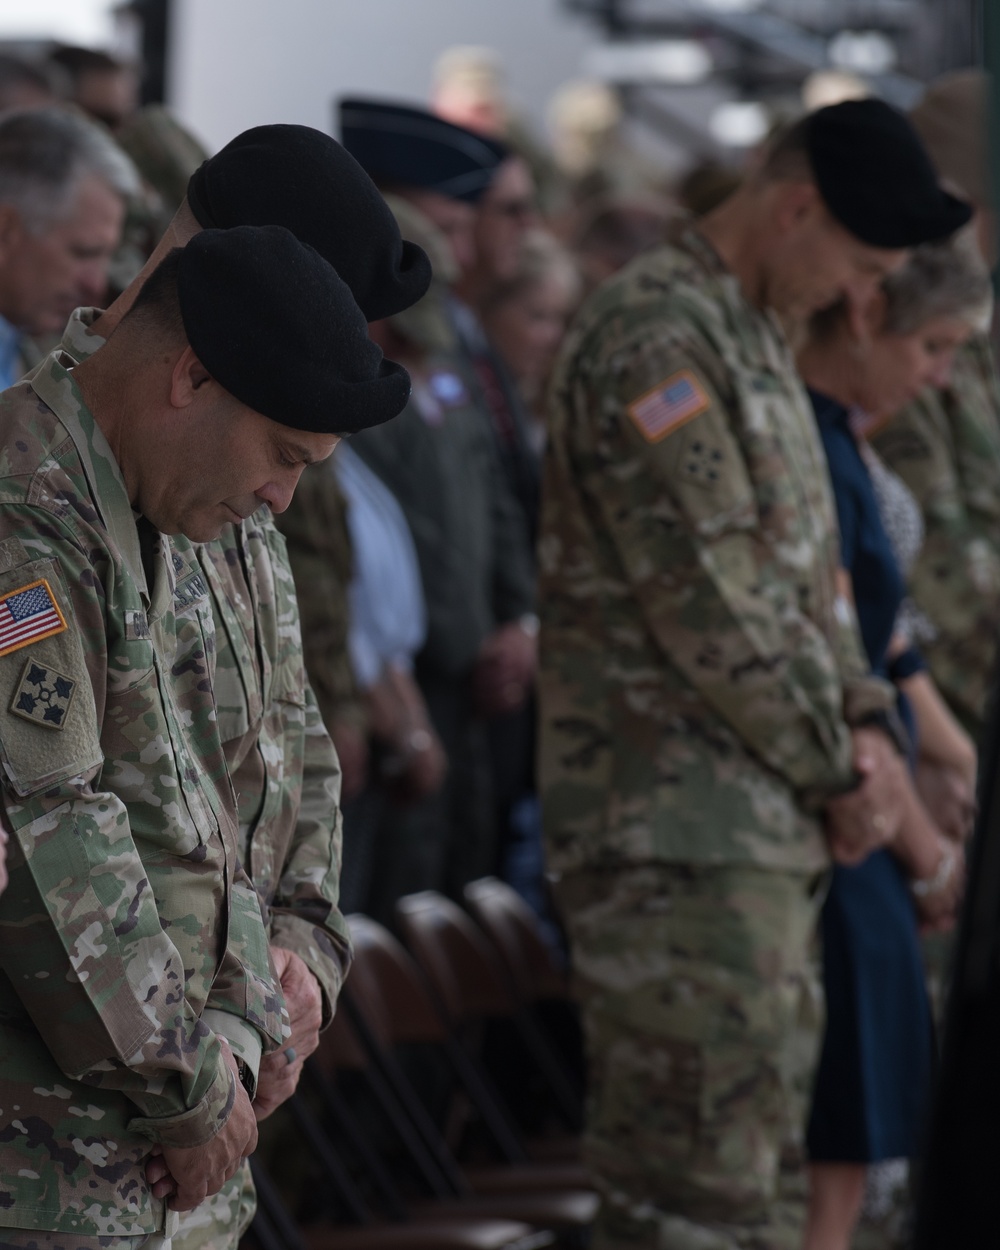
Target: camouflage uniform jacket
[319,549]
[277,751]
[281,758]
[127,914]
[946,448]
[698,670]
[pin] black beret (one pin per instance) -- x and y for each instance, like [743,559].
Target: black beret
[300,178]
[276,327]
[410,147]
[876,177]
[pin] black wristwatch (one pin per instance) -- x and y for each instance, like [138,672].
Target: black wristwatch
[891,725]
[247,1078]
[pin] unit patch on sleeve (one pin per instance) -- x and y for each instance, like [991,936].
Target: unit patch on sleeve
[27,615]
[670,404]
[43,696]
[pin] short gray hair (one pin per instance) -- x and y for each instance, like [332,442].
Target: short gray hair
[44,153]
[948,279]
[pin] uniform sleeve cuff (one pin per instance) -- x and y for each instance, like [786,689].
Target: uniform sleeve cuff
[197,1125]
[866,697]
[244,1041]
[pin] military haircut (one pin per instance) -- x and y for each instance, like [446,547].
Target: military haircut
[616,230]
[44,153]
[157,306]
[786,156]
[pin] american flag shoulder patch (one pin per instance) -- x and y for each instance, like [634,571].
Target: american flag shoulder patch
[669,405]
[28,615]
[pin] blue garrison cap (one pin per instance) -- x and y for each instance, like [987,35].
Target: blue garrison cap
[401,146]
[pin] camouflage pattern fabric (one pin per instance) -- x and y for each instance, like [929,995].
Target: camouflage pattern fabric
[281,758]
[165,153]
[128,915]
[281,761]
[946,448]
[37,1239]
[220,1221]
[699,671]
[699,678]
[276,749]
[319,553]
[691,981]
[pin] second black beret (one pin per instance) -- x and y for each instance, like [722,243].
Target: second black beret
[302,179]
[876,177]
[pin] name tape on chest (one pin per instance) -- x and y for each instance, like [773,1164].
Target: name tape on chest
[670,404]
[28,615]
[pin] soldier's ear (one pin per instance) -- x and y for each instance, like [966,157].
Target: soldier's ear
[188,379]
[794,203]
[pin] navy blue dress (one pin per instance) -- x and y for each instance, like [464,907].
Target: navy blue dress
[875,1065]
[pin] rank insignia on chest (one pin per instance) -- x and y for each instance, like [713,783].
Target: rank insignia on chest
[43,696]
[670,404]
[28,615]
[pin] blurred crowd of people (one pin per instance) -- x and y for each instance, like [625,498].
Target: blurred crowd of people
[433,553]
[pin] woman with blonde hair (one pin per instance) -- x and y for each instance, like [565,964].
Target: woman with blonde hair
[861,365]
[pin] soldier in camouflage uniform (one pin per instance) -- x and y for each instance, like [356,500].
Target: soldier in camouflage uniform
[281,759]
[125,855]
[705,708]
[946,445]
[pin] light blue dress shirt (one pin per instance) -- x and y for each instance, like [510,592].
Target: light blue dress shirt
[388,614]
[10,345]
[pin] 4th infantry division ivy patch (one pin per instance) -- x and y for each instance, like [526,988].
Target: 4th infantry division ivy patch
[43,696]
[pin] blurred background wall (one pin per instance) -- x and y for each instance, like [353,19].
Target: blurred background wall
[237,63]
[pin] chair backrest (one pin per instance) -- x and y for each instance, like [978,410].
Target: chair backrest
[456,956]
[340,1048]
[389,989]
[513,928]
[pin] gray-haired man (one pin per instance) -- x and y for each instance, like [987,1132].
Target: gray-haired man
[63,187]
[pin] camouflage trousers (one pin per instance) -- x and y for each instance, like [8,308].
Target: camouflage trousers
[218,1224]
[43,1239]
[694,984]
[220,1221]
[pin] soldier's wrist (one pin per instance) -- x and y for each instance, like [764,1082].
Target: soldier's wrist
[888,723]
